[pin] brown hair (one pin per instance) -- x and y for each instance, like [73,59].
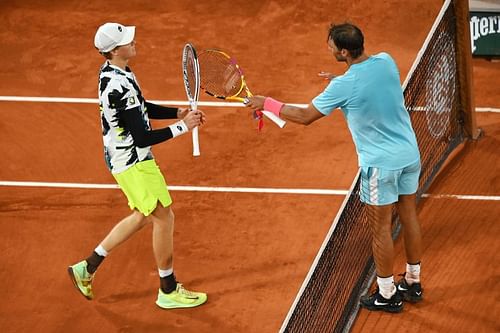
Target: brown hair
[107,55]
[347,36]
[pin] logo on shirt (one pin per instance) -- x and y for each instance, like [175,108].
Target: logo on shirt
[131,100]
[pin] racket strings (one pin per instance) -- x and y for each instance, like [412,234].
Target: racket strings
[190,69]
[221,77]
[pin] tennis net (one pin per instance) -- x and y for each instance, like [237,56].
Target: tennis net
[328,300]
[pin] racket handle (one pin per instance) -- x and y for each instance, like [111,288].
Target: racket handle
[277,120]
[196,142]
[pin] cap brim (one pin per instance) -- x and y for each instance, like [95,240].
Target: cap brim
[128,37]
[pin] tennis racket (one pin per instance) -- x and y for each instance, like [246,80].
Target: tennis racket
[191,75]
[223,78]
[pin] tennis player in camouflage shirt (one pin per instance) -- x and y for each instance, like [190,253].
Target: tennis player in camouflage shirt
[128,137]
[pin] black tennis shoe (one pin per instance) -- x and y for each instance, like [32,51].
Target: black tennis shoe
[413,293]
[377,302]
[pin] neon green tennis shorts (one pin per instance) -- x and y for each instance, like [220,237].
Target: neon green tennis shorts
[144,186]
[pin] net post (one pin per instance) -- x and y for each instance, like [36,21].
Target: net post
[464,64]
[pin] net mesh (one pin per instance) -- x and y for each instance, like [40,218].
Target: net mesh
[330,296]
[220,75]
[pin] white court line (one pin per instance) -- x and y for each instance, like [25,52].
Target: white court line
[237,190]
[200,188]
[162,102]
[182,188]
[484,109]
[96,101]
[463,197]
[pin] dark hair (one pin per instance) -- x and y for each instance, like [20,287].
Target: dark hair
[347,36]
[107,55]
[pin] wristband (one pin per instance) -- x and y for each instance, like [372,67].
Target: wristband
[273,105]
[178,128]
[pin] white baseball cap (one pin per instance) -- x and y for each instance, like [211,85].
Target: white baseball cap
[111,35]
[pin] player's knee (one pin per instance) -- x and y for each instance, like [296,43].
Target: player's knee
[139,219]
[169,215]
[163,215]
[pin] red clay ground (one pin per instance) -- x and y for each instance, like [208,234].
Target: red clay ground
[249,252]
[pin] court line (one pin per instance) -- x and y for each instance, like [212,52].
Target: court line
[463,197]
[163,102]
[229,189]
[96,101]
[182,188]
[204,188]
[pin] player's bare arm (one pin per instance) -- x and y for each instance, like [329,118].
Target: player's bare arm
[295,114]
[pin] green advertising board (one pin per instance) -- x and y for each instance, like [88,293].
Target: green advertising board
[485,33]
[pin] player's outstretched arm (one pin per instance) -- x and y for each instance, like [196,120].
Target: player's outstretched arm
[295,114]
[134,123]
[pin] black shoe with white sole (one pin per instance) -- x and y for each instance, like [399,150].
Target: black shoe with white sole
[411,293]
[377,302]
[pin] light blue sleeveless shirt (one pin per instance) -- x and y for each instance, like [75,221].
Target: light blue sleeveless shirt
[371,99]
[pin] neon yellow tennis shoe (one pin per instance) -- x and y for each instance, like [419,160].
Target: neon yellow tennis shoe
[82,279]
[180,298]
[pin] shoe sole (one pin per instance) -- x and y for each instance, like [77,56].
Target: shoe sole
[75,283]
[178,306]
[393,310]
[181,306]
[412,299]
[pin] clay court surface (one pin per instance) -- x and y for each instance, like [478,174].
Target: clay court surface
[249,251]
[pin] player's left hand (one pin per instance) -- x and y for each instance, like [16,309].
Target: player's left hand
[183,112]
[326,75]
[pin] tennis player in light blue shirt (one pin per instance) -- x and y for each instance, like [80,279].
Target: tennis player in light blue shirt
[370,96]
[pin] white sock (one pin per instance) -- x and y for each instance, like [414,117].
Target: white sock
[101,251]
[412,273]
[165,272]
[386,286]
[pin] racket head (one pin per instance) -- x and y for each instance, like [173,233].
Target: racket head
[191,74]
[221,76]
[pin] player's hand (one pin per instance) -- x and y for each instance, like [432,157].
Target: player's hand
[194,119]
[256,103]
[326,75]
[203,117]
[181,113]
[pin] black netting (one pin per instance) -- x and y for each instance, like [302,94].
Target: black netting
[345,268]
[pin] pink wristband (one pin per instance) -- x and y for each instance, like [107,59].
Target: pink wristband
[273,105]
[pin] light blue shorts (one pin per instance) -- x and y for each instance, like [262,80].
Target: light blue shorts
[383,187]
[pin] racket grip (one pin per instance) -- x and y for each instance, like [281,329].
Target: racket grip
[277,120]
[196,142]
